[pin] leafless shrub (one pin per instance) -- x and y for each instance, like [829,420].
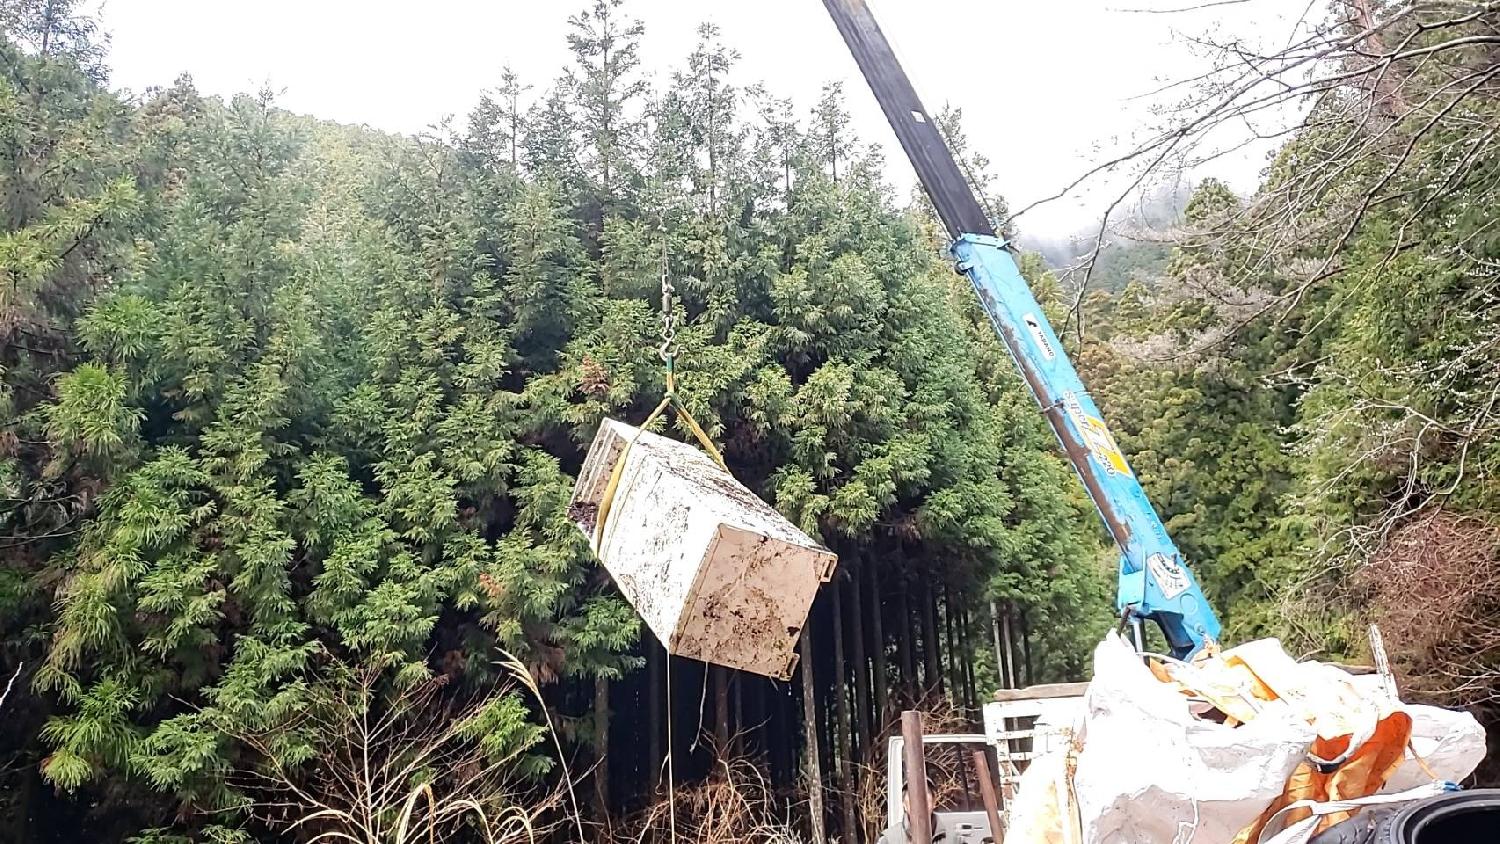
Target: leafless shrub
[734,805]
[1435,591]
[368,764]
[1362,85]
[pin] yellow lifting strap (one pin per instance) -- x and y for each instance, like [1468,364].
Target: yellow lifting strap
[606,504]
[668,353]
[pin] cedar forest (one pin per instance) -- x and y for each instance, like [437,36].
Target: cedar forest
[290,413]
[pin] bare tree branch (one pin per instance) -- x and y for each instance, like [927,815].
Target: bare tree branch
[11,682]
[1181,9]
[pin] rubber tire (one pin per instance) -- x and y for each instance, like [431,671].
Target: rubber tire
[1456,818]
[1360,829]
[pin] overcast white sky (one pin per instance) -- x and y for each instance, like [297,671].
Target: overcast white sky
[1045,84]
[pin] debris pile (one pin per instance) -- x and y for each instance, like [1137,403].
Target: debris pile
[1249,746]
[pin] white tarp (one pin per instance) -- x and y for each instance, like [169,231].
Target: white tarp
[1150,771]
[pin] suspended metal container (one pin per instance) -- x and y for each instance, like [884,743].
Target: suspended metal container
[715,572]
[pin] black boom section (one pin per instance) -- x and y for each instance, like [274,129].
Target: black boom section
[950,193]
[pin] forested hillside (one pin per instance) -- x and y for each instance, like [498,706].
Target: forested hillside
[290,412]
[1309,392]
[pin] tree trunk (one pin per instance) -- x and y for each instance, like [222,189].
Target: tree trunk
[721,708]
[954,651]
[737,696]
[861,665]
[1026,649]
[833,146]
[841,734]
[606,148]
[713,143]
[966,639]
[777,742]
[1001,631]
[601,746]
[877,644]
[515,133]
[1384,83]
[931,658]
[810,741]
[904,642]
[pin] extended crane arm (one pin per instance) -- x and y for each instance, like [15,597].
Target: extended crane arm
[1154,583]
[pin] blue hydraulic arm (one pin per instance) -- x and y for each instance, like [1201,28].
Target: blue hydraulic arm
[1154,584]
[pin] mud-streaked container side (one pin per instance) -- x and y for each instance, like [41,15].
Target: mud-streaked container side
[751,600]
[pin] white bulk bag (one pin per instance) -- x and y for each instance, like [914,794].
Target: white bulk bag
[1149,771]
[1303,831]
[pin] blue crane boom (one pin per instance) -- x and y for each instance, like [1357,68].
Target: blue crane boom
[1154,582]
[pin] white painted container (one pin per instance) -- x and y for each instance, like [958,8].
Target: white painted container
[715,572]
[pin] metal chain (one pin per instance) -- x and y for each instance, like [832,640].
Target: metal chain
[668,350]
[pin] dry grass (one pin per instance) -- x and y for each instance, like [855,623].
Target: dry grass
[734,805]
[1434,589]
[939,715]
[402,766]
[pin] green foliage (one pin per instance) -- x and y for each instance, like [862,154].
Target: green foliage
[1122,263]
[313,397]
[1312,380]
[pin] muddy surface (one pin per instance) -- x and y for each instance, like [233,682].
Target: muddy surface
[585,514]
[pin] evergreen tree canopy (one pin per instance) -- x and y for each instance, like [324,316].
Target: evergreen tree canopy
[292,410]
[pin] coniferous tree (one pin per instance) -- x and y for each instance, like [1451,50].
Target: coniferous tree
[497,125]
[317,406]
[608,91]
